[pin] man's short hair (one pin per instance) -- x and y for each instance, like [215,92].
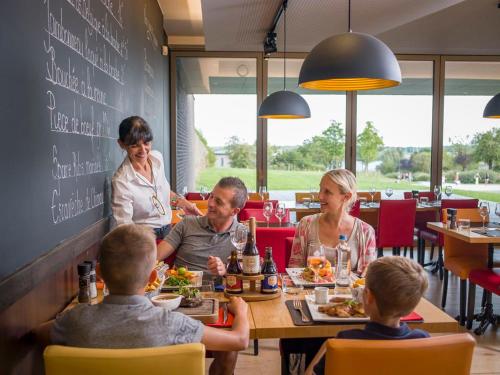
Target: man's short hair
[240,190]
[397,284]
[127,256]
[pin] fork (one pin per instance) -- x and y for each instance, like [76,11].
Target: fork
[297,305]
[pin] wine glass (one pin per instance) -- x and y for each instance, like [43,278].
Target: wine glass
[372,191]
[316,258]
[262,192]
[239,238]
[389,191]
[448,190]
[184,191]
[280,212]
[497,209]
[484,212]
[437,192]
[267,211]
[204,192]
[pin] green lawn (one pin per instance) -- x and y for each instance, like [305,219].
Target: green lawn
[304,180]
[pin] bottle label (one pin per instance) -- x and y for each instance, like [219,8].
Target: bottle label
[233,284]
[251,264]
[269,284]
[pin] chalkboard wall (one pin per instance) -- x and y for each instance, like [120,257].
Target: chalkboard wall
[71,71]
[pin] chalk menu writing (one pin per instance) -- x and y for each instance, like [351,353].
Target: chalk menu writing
[84,88]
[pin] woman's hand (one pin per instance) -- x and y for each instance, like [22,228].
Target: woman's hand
[188,207]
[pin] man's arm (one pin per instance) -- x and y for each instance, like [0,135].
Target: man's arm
[164,249]
[237,338]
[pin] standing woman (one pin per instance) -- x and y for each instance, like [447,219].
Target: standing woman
[141,192]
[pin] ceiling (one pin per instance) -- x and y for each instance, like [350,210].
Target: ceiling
[467,27]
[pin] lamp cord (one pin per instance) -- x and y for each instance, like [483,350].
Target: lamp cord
[349,18]
[284,44]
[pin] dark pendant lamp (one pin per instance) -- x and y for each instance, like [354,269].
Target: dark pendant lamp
[492,109]
[348,62]
[284,104]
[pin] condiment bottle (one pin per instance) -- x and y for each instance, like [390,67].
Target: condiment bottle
[343,273]
[84,282]
[93,288]
[452,215]
[270,272]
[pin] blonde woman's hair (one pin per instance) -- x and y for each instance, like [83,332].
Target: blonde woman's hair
[346,182]
[127,256]
[397,283]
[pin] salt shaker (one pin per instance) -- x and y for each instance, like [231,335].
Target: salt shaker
[93,288]
[84,282]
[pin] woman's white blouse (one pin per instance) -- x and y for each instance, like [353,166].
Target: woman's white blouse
[132,194]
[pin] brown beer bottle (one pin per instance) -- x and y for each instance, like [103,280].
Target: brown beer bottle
[251,259]
[234,284]
[270,272]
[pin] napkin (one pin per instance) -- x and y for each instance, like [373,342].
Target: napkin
[220,321]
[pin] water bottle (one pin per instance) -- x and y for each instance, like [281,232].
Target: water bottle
[343,274]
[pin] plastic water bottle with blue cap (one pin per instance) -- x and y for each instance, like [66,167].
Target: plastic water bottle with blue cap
[343,274]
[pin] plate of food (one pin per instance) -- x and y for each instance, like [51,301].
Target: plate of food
[155,284]
[340,308]
[305,276]
[182,277]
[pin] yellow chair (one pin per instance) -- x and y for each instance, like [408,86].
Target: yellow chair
[202,205]
[449,354]
[461,257]
[299,196]
[364,194]
[257,197]
[174,359]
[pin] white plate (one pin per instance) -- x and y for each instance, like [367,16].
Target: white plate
[296,276]
[322,317]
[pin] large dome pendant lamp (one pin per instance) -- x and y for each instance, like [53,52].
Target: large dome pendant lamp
[349,62]
[284,104]
[492,109]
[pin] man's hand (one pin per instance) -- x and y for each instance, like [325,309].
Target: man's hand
[237,306]
[216,266]
[188,207]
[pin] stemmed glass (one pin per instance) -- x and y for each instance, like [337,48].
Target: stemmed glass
[262,192]
[239,238]
[437,192]
[484,212]
[497,209]
[316,258]
[280,212]
[204,192]
[448,190]
[184,191]
[389,191]
[372,191]
[267,211]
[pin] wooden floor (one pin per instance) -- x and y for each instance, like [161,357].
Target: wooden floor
[486,358]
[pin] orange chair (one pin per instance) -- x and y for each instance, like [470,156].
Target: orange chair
[449,354]
[364,194]
[202,205]
[461,257]
[258,197]
[299,196]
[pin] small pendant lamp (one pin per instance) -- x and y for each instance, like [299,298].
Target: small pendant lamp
[284,104]
[348,62]
[492,109]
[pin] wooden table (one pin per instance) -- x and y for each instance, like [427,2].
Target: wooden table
[272,320]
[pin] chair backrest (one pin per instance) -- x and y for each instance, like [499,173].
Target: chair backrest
[364,194]
[258,214]
[259,204]
[299,196]
[193,196]
[428,194]
[396,220]
[275,237]
[448,354]
[455,203]
[257,196]
[355,209]
[173,359]
[466,213]
[201,204]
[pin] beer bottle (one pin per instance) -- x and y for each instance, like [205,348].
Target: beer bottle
[251,259]
[270,272]
[233,283]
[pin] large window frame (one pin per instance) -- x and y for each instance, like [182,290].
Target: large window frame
[351,107]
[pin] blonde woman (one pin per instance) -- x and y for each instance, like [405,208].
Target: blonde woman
[337,194]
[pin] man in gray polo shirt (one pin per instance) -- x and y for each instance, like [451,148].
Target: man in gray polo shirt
[203,243]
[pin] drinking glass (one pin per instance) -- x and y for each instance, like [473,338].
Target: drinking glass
[262,192]
[184,191]
[287,285]
[484,212]
[437,192]
[267,211]
[239,238]
[372,191]
[280,212]
[448,190]
[463,225]
[204,192]
[389,191]
[316,258]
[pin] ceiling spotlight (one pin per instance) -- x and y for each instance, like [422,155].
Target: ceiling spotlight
[270,43]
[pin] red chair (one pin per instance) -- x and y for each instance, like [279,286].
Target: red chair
[258,214]
[436,238]
[195,196]
[259,204]
[288,248]
[428,194]
[355,209]
[275,237]
[489,280]
[396,220]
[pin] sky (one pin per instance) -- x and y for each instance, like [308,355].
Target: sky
[402,120]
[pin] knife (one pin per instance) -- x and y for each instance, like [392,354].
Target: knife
[224,316]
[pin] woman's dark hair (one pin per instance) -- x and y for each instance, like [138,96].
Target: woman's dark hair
[134,129]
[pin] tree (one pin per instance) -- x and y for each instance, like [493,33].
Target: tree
[462,152]
[210,152]
[332,144]
[369,142]
[239,153]
[487,147]
[421,161]
[391,160]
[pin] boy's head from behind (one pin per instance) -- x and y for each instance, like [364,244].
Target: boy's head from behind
[396,284]
[127,256]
